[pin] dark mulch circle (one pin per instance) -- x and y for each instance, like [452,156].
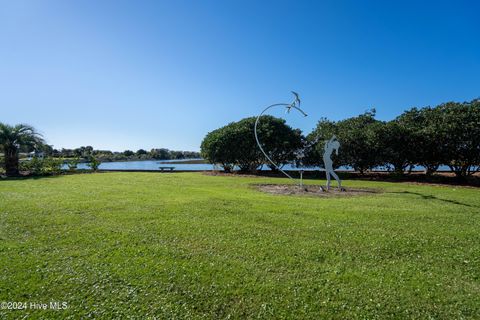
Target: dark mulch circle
[314,190]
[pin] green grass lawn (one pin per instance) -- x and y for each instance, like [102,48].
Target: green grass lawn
[187,245]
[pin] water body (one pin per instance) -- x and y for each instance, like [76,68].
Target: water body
[149,165]
[156,164]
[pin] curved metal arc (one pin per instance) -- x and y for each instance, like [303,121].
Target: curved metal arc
[289,106]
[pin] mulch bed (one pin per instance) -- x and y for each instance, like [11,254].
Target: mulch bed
[314,190]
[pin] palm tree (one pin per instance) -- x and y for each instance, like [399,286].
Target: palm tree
[14,138]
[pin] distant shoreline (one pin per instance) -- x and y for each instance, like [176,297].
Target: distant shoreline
[192,161]
[161,161]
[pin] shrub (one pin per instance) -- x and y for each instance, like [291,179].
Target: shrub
[42,166]
[94,163]
[73,163]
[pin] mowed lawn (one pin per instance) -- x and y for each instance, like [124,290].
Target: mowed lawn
[189,245]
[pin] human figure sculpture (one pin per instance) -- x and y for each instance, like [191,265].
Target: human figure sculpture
[330,145]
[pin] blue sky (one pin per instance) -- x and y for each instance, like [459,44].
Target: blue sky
[140,74]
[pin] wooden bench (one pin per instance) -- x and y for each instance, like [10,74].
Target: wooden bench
[166,168]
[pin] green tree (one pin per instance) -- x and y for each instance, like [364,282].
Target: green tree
[73,164]
[12,138]
[52,166]
[93,163]
[235,144]
[68,153]
[359,145]
[459,127]
[423,126]
[191,154]
[141,152]
[160,154]
[47,150]
[88,150]
[83,151]
[279,141]
[324,130]
[78,152]
[397,145]
[218,147]
[177,155]
[128,153]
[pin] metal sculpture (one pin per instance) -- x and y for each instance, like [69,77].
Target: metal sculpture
[300,155]
[330,146]
[295,105]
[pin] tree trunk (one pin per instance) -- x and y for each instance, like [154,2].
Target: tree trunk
[399,169]
[460,171]
[272,168]
[227,168]
[410,169]
[430,169]
[11,163]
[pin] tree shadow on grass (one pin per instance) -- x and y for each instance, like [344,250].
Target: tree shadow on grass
[22,177]
[432,197]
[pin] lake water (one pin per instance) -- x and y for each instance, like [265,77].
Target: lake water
[155,164]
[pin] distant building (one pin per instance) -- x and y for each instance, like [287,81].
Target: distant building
[36,154]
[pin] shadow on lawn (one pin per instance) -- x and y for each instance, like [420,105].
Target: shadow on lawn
[432,197]
[22,177]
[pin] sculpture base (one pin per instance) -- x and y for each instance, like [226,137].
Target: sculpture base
[314,190]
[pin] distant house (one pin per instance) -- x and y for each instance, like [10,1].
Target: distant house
[36,154]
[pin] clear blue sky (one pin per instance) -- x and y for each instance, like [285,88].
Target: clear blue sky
[140,74]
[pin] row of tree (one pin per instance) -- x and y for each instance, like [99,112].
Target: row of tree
[448,134]
[107,155]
